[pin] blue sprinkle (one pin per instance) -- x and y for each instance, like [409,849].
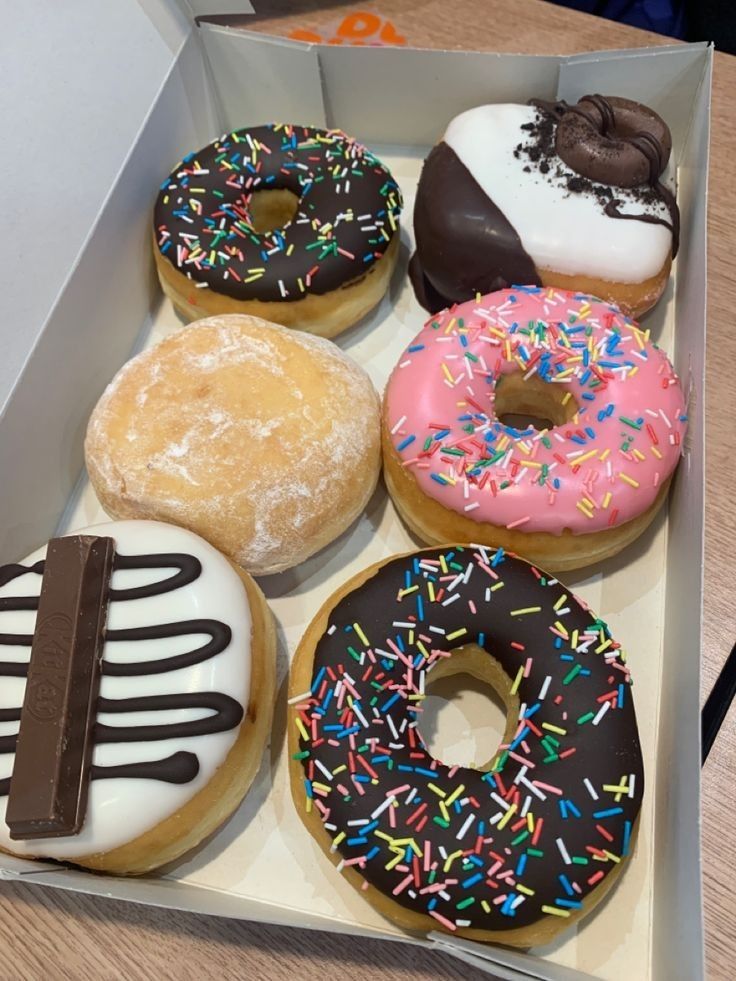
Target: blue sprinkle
[566,884]
[611,812]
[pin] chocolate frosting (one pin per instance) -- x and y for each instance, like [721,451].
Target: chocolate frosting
[380,646]
[346,216]
[223,712]
[465,243]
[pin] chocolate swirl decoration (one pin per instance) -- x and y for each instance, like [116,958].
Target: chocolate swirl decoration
[224,712]
[618,142]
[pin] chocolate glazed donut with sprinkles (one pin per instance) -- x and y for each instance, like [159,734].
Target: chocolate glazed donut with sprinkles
[515,851]
[293,224]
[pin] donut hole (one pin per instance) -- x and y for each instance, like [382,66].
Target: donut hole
[521,403]
[272,209]
[467,712]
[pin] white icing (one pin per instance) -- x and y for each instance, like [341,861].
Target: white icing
[568,233]
[121,809]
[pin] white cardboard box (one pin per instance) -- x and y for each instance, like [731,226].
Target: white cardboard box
[97,301]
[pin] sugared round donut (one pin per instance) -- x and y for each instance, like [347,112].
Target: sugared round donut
[290,223]
[575,491]
[264,441]
[513,852]
[188,662]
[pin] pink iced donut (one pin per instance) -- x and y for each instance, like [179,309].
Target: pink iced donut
[573,492]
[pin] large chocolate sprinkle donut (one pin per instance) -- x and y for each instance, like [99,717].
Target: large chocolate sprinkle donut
[515,852]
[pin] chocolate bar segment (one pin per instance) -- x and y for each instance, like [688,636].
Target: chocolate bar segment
[48,788]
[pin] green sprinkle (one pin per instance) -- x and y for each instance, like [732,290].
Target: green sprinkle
[572,673]
[586,718]
[464,903]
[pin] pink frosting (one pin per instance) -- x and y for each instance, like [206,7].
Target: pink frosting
[599,470]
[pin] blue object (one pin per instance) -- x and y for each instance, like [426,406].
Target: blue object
[660,16]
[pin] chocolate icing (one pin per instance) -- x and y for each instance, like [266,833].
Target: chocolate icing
[53,748]
[346,217]
[465,244]
[389,614]
[223,712]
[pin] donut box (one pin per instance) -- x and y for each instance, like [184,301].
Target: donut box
[193,83]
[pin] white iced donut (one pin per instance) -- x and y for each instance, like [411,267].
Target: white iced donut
[185,701]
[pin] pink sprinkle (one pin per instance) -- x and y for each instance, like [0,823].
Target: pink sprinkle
[443,920]
[519,521]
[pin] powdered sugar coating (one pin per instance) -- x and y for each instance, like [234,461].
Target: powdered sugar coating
[261,439]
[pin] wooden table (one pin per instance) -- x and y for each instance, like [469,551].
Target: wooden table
[50,934]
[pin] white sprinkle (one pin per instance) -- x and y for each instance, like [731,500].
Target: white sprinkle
[300,698]
[601,712]
[398,425]
[545,688]
[563,851]
[381,807]
[466,825]
[591,788]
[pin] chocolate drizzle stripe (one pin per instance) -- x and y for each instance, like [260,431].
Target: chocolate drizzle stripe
[226,714]
[223,712]
[220,635]
[190,569]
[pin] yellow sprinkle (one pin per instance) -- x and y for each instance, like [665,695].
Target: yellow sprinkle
[616,788]
[586,456]
[443,810]
[321,786]
[450,325]
[302,731]
[411,637]
[526,609]
[582,507]
[639,455]
[309,805]
[484,902]
[405,592]
[656,452]
[606,500]
[568,395]
[530,820]
[559,626]
[529,463]
[430,590]
[382,834]
[357,628]
[339,769]
[629,480]
[443,564]
[498,585]
[456,633]
[604,646]
[290,249]
[447,372]
[614,858]
[503,443]
[605,454]
[557,729]
[634,370]
[341,837]
[525,889]
[560,602]
[517,679]
[574,639]
[450,859]
[422,648]
[436,790]
[507,817]
[554,911]
[395,860]
[456,793]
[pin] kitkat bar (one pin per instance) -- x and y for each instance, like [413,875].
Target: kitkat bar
[48,788]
